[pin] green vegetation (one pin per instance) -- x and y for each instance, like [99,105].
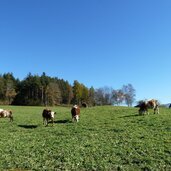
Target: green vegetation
[44,90]
[106,138]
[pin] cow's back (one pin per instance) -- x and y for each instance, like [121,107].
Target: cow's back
[46,113]
[78,111]
[75,111]
[152,103]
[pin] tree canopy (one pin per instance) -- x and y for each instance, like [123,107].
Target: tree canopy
[50,91]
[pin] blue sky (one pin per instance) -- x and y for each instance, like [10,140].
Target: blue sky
[97,42]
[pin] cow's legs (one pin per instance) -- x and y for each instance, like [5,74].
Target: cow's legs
[77,118]
[147,112]
[45,121]
[73,118]
[11,118]
[52,121]
[156,110]
[141,112]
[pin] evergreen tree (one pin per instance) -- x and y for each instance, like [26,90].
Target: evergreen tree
[53,94]
[76,93]
[45,80]
[91,98]
[9,88]
[2,89]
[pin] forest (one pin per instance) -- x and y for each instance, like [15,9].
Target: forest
[35,90]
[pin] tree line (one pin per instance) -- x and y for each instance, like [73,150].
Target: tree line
[49,91]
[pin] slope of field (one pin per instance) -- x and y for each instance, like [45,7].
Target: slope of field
[106,138]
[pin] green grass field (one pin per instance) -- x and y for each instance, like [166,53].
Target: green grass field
[106,138]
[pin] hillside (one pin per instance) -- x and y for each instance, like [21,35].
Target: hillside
[106,138]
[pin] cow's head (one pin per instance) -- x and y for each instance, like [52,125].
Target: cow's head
[52,114]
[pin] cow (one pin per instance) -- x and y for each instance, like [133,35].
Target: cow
[150,104]
[170,106]
[75,112]
[6,114]
[47,115]
[84,104]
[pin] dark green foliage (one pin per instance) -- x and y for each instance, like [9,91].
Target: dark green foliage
[41,90]
[80,93]
[106,138]
[8,86]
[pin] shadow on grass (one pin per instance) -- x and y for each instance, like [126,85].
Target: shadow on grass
[127,116]
[62,121]
[28,126]
[117,130]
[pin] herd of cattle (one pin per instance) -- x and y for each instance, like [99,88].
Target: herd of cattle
[48,115]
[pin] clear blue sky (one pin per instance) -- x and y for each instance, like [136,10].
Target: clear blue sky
[97,42]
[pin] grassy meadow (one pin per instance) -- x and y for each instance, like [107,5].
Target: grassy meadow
[105,138]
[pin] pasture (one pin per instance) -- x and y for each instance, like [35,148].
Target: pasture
[105,138]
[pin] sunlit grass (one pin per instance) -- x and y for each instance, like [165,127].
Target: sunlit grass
[106,138]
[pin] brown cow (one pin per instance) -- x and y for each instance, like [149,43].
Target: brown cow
[48,115]
[75,112]
[6,114]
[151,104]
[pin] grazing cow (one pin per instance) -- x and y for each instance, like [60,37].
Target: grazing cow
[48,115]
[6,114]
[170,106]
[84,104]
[75,112]
[151,104]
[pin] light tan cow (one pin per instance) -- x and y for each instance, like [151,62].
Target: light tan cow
[150,104]
[6,114]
